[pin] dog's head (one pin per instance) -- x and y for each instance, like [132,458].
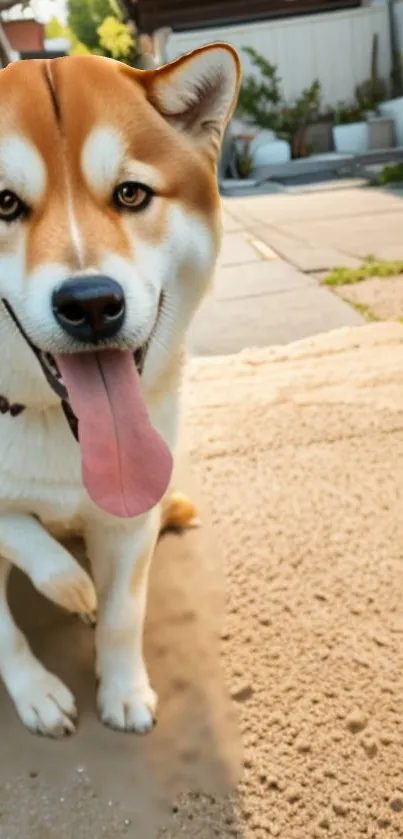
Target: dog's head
[109,213]
[109,232]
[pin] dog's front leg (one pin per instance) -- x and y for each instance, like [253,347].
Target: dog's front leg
[120,554]
[43,702]
[26,543]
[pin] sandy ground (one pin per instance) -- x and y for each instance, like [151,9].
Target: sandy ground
[300,454]
[298,457]
[100,783]
[381,297]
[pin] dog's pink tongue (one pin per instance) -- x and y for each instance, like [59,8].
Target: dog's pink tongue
[126,464]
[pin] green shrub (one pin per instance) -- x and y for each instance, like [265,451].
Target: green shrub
[261,99]
[393,173]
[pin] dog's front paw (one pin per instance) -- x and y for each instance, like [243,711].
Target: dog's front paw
[178,513]
[45,705]
[69,587]
[89,618]
[131,710]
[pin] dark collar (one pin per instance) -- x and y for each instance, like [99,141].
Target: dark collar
[15,409]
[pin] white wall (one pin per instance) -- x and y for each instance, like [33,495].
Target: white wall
[334,48]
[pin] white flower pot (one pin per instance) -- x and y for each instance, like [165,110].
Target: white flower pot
[277,151]
[394,109]
[263,138]
[352,138]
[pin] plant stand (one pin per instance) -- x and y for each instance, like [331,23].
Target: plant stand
[381,133]
[319,136]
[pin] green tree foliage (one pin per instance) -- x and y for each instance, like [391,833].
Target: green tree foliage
[116,39]
[260,97]
[84,18]
[97,25]
[55,29]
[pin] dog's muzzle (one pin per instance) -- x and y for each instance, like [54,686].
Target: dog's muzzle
[97,315]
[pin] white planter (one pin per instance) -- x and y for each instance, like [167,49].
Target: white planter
[352,138]
[57,44]
[277,151]
[263,138]
[394,109]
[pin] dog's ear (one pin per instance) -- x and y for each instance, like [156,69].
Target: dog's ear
[198,92]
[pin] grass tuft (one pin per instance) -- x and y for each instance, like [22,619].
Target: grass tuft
[363,310]
[372,267]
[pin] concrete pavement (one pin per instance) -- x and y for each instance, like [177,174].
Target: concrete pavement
[266,291]
[311,230]
[259,298]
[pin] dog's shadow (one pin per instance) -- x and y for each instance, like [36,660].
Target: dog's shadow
[194,746]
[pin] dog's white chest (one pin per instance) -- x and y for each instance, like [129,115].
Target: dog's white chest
[40,465]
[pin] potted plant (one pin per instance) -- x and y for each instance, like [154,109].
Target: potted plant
[261,100]
[244,165]
[296,119]
[381,127]
[260,97]
[244,158]
[369,96]
[350,131]
[394,107]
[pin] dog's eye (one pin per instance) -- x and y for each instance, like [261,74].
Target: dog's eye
[132,196]
[11,207]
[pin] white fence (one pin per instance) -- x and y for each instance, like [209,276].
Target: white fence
[334,48]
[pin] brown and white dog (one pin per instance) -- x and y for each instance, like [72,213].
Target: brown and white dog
[109,233]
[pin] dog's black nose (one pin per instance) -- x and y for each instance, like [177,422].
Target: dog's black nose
[89,309]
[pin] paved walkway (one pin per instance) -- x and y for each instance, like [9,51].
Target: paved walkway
[266,291]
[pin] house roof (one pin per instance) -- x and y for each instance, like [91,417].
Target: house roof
[149,15]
